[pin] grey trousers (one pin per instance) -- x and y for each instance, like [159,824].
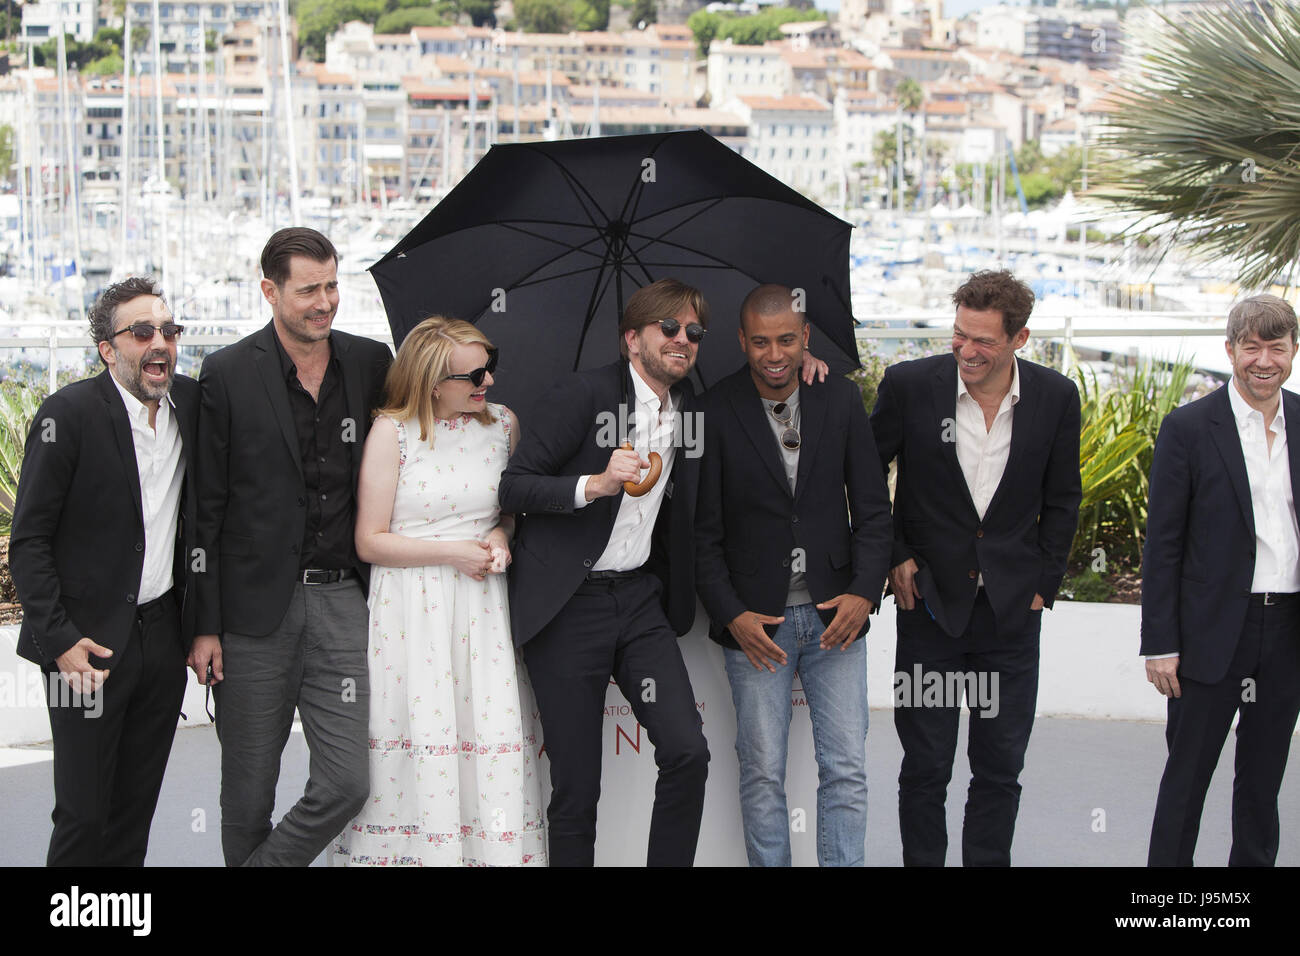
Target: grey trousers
[314,661]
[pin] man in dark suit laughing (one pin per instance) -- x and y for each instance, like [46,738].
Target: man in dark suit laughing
[98,553]
[984,515]
[1221,589]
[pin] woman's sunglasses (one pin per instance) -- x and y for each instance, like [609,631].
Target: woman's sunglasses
[476,377]
[694,331]
[144,331]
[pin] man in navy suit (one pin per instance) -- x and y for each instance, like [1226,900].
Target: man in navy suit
[984,516]
[1221,589]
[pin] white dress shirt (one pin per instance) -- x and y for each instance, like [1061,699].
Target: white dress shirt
[982,452]
[1277,539]
[629,541]
[161,466]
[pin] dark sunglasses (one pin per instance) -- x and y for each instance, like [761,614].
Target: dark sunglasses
[476,377]
[694,331]
[144,332]
[783,413]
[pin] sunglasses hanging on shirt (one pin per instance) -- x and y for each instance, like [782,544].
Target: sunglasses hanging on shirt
[783,414]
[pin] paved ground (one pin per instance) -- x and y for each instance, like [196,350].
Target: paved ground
[1089,790]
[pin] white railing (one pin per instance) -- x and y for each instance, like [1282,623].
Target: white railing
[1063,328]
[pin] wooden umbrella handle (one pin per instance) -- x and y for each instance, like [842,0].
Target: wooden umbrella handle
[637,488]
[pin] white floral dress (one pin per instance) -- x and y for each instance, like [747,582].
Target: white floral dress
[453,743]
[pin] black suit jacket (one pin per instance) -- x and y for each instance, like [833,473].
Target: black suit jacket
[251,491]
[1022,545]
[1198,562]
[77,548]
[748,522]
[557,545]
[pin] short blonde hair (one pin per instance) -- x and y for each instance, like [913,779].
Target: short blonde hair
[422,362]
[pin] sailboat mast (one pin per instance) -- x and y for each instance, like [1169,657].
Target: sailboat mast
[289,118]
[123,257]
[162,158]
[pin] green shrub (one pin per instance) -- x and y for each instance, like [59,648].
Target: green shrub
[18,405]
[1088,586]
[1116,440]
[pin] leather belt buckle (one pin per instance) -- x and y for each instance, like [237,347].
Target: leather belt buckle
[1270,598]
[322,576]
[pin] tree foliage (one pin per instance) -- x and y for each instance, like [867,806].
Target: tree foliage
[644,11]
[318,20]
[545,16]
[79,54]
[746,31]
[401,21]
[1208,137]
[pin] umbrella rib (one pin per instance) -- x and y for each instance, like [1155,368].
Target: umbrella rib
[575,185]
[568,246]
[597,294]
[563,275]
[658,240]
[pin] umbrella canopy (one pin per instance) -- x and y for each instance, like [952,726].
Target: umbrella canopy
[542,243]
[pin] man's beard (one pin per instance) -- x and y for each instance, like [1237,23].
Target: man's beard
[655,367]
[132,376]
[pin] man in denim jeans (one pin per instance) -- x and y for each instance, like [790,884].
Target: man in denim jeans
[793,545]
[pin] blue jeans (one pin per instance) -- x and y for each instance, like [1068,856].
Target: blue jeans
[835,685]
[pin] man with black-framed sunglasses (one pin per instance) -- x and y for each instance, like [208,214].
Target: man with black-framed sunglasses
[99,558]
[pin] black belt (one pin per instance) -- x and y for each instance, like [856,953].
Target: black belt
[612,575]
[1273,598]
[156,602]
[316,576]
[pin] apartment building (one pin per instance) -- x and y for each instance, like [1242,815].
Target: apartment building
[793,139]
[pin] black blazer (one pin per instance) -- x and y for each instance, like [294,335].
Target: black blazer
[251,491]
[748,522]
[1198,562]
[555,545]
[77,548]
[1022,545]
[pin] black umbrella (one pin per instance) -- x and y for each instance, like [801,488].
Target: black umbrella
[542,243]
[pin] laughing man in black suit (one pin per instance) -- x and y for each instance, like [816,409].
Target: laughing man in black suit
[1221,589]
[984,515]
[99,560]
[603,582]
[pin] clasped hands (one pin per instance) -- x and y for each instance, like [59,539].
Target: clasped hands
[851,613]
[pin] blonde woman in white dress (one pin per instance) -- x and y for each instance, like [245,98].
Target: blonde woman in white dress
[453,746]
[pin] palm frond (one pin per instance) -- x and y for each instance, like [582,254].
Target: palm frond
[1209,139]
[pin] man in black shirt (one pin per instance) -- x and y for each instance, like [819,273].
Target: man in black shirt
[281,594]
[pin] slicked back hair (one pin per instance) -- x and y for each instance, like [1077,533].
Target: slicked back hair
[294,241]
[1264,315]
[1000,291]
[103,314]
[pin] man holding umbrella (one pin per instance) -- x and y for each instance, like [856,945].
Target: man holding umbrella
[603,581]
